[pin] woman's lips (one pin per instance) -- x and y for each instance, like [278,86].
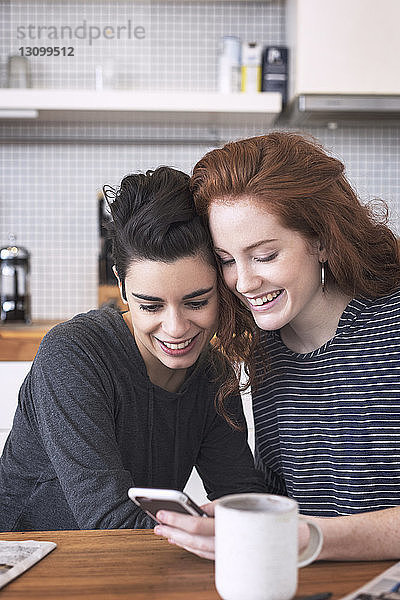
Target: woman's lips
[267,303]
[178,351]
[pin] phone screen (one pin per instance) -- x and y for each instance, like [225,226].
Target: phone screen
[153,505]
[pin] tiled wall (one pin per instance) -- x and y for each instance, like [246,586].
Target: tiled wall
[51,172]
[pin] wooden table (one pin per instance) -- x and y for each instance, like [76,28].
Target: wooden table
[19,341]
[136,564]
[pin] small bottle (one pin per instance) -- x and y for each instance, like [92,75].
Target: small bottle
[251,67]
[275,70]
[19,74]
[229,78]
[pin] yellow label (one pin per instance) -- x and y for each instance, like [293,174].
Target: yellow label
[251,78]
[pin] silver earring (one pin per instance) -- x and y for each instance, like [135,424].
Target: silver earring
[323,276]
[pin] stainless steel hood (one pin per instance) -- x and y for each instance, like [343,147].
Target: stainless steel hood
[333,110]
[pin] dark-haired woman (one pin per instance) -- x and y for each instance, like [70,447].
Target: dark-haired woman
[118,400]
[319,275]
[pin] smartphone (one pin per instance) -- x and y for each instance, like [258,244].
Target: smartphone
[151,500]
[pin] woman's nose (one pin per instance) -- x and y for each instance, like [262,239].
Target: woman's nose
[247,281]
[175,325]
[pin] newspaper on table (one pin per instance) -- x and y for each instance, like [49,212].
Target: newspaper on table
[385,586]
[17,557]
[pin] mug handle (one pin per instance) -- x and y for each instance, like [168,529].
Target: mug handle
[314,545]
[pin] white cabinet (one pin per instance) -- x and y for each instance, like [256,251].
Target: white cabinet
[12,375]
[344,46]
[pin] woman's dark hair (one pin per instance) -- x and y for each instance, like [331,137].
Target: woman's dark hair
[296,180]
[154,218]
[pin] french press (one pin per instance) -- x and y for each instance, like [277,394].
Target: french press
[15,304]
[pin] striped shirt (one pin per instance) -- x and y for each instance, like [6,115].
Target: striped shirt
[328,422]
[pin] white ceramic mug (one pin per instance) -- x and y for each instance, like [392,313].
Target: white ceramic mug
[256,547]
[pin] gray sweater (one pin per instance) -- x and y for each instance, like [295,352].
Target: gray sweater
[90,424]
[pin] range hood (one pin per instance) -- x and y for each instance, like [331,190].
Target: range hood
[333,110]
[344,62]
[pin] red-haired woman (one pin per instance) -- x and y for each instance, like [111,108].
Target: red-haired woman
[319,274]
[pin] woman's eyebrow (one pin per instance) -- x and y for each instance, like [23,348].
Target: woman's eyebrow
[198,293]
[144,297]
[194,294]
[251,247]
[260,243]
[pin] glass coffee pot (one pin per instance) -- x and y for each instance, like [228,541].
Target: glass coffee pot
[15,304]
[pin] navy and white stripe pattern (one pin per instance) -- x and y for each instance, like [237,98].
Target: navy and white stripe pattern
[328,422]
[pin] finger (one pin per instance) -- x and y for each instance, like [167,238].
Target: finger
[209,508]
[207,555]
[194,543]
[188,523]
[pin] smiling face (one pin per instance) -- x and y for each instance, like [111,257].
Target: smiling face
[173,311]
[272,269]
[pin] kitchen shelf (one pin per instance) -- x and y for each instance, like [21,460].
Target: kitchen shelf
[136,1]
[193,108]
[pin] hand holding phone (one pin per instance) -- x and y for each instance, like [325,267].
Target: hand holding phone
[151,500]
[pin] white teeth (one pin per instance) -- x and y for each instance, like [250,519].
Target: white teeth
[264,299]
[177,346]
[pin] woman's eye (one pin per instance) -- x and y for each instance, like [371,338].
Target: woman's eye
[263,259]
[225,261]
[198,304]
[150,307]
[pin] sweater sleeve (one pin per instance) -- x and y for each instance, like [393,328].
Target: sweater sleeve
[72,398]
[274,482]
[225,462]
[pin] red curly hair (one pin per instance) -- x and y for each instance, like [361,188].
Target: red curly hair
[307,190]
